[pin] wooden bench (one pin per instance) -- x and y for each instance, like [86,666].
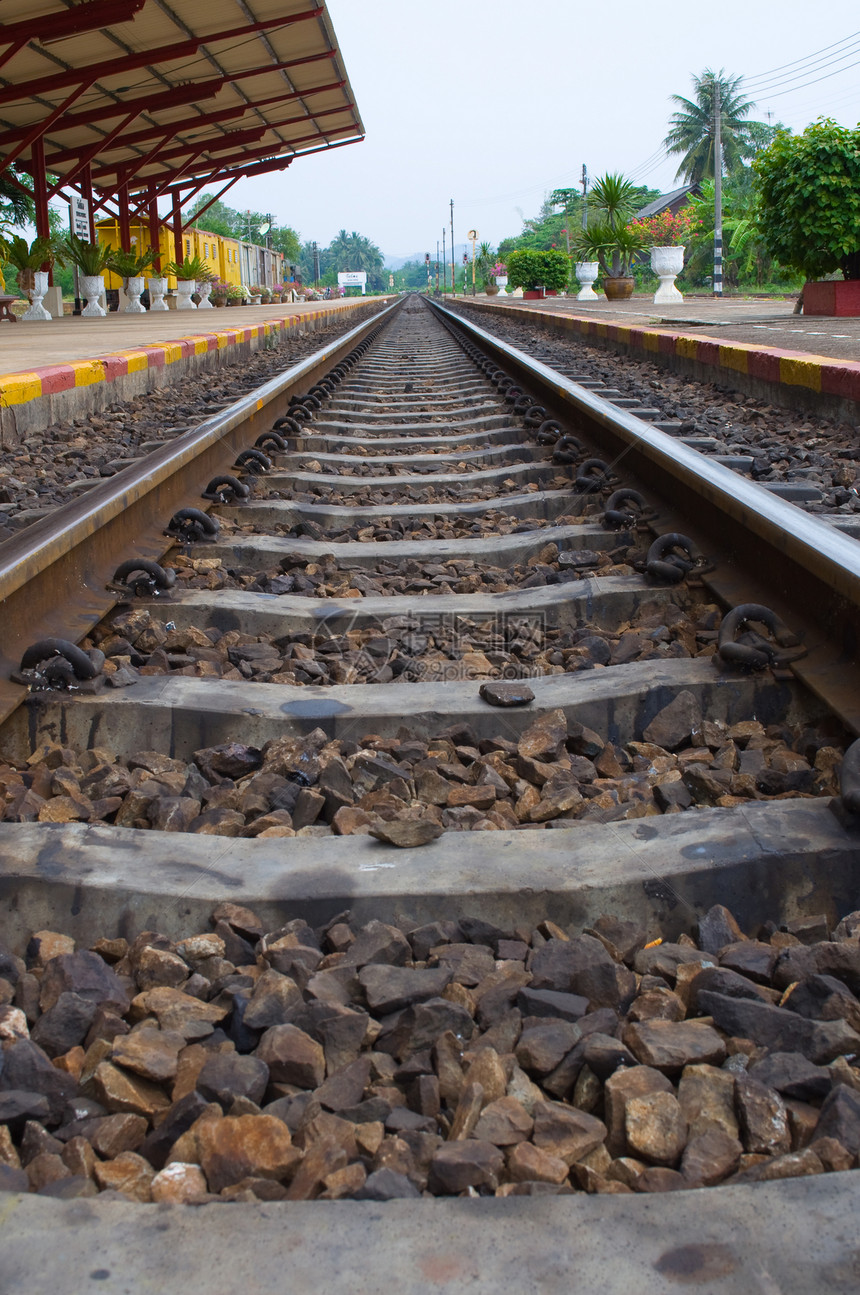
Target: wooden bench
[6,309]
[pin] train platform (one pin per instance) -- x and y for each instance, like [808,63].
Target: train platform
[755,345]
[70,367]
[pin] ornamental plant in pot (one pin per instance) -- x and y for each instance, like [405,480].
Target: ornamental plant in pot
[665,234]
[611,240]
[187,274]
[219,292]
[91,259]
[130,267]
[28,259]
[256,291]
[538,273]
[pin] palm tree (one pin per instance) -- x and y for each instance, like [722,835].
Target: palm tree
[692,128]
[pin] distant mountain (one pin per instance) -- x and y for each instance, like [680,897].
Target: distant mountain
[397,262]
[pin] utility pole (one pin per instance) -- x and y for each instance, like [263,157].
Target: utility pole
[437,267]
[316,264]
[453,277]
[718,196]
[584,182]
[444,263]
[427,263]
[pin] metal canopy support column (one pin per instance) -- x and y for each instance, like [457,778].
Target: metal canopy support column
[87,193]
[40,188]
[177,229]
[40,196]
[154,227]
[124,222]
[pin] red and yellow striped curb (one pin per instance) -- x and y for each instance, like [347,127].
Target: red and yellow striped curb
[20,388]
[819,373]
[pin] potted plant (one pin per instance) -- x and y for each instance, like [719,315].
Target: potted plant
[279,292]
[808,189]
[235,294]
[538,273]
[187,273]
[28,259]
[256,292]
[129,266]
[500,275]
[611,240]
[665,234]
[219,292]
[91,259]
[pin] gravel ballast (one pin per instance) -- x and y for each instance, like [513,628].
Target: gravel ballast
[384,1061]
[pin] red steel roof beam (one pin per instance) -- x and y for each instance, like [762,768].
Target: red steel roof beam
[85,158]
[188,92]
[71,22]
[211,203]
[205,119]
[214,145]
[47,85]
[175,98]
[38,131]
[10,52]
[183,174]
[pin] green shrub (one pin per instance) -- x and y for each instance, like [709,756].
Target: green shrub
[529,270]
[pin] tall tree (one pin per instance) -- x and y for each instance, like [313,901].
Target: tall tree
[691,129]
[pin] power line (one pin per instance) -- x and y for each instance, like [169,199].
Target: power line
[779,94]
[764,76]
[812,105]
[644,169]
[786,81]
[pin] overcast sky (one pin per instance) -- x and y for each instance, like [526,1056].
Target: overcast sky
[493,103]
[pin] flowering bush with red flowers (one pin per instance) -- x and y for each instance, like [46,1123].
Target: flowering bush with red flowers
[667,229]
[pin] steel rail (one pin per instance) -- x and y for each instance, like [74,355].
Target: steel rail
[53,576]
[763,548]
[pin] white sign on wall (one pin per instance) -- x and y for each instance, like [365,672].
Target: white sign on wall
[80,217]
[353,279]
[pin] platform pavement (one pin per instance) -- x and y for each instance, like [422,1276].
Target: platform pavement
[72,366]
[755,345]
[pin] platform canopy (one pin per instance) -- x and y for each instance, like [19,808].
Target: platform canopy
[129,101]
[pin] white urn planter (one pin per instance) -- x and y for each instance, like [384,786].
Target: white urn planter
[667,263]
[502,284]
[36,293]
[586,273]
[92,286]
[185,289]
[203,291]
[133,289]
[157,289]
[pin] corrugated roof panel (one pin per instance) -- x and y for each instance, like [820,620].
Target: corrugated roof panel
[188,42]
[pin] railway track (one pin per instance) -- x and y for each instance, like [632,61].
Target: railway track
[457,603]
